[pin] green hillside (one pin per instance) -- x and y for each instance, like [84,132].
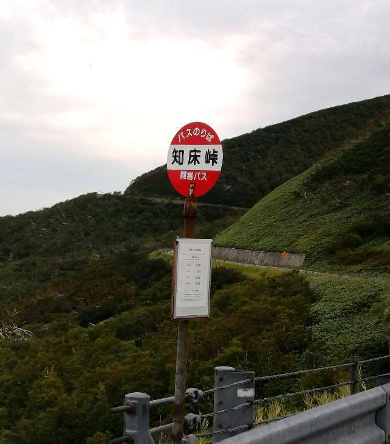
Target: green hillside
[39,247]
[84,342]
[337,212]
[85,297]
[257,162]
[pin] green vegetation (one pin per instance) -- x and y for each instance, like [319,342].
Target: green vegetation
[336,212]
[108,332]
[258,162]
[42,247]
[85,289]
[348,315]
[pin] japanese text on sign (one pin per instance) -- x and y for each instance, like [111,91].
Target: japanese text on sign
[199,157]
[190,175]
[199,132]
[192,278]
[194,155]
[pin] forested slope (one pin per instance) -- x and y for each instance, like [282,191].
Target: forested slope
[38,247]
[85,307]
[83,343]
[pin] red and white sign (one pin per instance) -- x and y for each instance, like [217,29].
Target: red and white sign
[194,159]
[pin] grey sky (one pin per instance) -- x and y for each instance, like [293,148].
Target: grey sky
[92,92]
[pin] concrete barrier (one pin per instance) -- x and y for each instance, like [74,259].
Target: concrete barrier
[288,260]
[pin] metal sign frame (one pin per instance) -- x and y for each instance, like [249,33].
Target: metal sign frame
[192,264]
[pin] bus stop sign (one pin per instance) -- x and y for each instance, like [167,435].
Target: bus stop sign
[194,159]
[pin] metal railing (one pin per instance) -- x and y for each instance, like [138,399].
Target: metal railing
[360,419]
[234,402]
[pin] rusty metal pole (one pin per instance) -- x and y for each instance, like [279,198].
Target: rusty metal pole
[190,208]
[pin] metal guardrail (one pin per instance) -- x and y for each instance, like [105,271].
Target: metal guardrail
[363,418]
[136,416]
[234,402]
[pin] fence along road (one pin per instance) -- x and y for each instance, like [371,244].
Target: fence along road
[363,418]
[234,401]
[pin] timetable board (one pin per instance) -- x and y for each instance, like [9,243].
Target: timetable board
[192,275]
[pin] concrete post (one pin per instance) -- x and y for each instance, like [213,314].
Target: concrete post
[230,398]
[137,421]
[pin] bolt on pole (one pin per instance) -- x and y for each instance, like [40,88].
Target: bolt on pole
[190,209]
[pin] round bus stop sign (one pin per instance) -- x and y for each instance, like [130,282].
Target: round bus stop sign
[194,159]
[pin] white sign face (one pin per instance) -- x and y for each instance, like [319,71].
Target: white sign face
[191,294]
[195,157]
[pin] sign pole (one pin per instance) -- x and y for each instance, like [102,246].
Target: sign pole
[190,209]
[194,164]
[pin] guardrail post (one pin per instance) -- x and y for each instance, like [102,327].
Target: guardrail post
[137,422]
[232,397]
[355,371]
[383,415]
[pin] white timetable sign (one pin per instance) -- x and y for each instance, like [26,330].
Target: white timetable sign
[191,293]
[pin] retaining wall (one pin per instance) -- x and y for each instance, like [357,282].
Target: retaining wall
[258,257]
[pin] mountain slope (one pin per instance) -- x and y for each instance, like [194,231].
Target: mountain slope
[257,162]
[337,212]
[84,313]
[39,247]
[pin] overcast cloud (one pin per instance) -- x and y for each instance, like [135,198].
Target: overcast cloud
[92,92]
